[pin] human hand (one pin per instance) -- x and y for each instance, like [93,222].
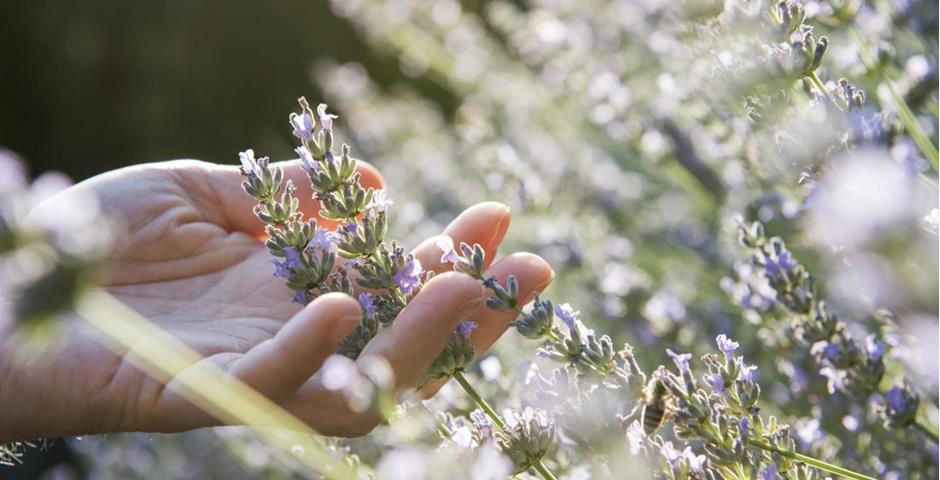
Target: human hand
[193,263]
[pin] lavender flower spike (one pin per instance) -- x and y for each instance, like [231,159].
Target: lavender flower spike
[408,277]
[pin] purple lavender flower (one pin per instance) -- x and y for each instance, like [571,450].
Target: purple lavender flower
[831,352]
[303,126]
[249,163]
[744,428]
[769,473]
[306,160]
[568,315]
[281,269]
[746,374]
[681,360]
[323,240]
[727,346]
[783,263]
[716,381]
[300,297]
[408,277]
[350,227]
[874,348]
[291,258]
[466,328]
[326,119]
[368,304]
[896,400]
[380,201]
[672,455]
[449,255]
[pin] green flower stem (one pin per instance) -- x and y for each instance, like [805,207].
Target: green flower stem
[543,471]
[822,87]
[927,429]
[497,420]
[828,467]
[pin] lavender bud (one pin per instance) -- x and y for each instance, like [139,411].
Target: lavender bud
[538,322]
[900,409]
[530,435]
[457,354]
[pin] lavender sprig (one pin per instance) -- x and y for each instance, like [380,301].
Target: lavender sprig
[309,253]
[850,367]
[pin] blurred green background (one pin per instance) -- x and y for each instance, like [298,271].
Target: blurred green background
[91,86]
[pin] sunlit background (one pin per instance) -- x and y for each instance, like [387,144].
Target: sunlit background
[625,136]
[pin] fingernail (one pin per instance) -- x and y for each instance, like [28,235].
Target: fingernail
[501,227]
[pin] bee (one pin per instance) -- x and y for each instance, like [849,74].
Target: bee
[655,405]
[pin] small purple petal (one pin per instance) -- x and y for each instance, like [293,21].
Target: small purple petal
[280,269]
[568,315]
[408,277]
[466,328]
[726,345]
[681,360]
[306,160]
[368,303]
[449,255]
[291,257]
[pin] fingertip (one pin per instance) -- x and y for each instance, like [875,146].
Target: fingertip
[535,265]
[456,284]
[342,312]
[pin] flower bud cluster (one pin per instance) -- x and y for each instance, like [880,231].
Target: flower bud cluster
[525,438]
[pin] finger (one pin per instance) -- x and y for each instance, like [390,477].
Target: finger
[278,366]
[236,205]
[422,329]
[484,223]
[275,368]
[533,275]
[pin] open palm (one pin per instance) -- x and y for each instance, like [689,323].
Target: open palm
[192,262]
